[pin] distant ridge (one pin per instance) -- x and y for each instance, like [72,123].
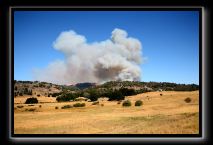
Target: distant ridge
[44,87]
[85,85]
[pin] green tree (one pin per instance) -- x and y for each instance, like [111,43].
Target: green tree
[93,95]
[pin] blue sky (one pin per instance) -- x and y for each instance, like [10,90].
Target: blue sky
[170,39]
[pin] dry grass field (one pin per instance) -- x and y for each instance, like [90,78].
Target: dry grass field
[166,114]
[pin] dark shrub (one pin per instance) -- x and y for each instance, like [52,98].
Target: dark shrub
[127,92]
[40,106]
[115,95]
[79,105]
[66,106]
[95,103]
[31,109]
[184,87]
[142,91]
[187,100]
[30,105]
[38,95]
[93,95]
[102,105]
[20,106]
[138,103]
[31,100]
[56,107]
[56,94]
[66,97]
[127,103]
[161,94]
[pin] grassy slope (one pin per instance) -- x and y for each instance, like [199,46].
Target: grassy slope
[166,114]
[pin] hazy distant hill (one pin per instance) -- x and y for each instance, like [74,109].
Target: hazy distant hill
[84,85]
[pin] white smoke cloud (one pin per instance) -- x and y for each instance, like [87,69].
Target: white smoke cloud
[117,58]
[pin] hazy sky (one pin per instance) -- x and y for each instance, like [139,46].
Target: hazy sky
[170,40]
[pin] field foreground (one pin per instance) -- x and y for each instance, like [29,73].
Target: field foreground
[166,114]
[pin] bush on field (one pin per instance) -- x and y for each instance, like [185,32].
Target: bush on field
[95,103]
[138,103]
[187,100]
[127,92]
[66,106]
[127,103]
[79,105]
[31,109]
[115,95]
[66,97]
[93,95]
[31,100]
[56,107]
[20,106]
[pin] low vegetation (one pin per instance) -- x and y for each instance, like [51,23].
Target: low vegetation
[177,116]
[66,106]
[138,103]
[127,103]
[20,106]
[79,105]
[66,97]
[31,109]
[95,103]
[114,90]
[31,100]
[188,100]
[115,95]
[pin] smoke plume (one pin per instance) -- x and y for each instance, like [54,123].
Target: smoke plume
[117,58]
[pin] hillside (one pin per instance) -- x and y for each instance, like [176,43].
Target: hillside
[166,114]
[94,91]
[56,113]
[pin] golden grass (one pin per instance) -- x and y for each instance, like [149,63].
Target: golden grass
[166,114]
